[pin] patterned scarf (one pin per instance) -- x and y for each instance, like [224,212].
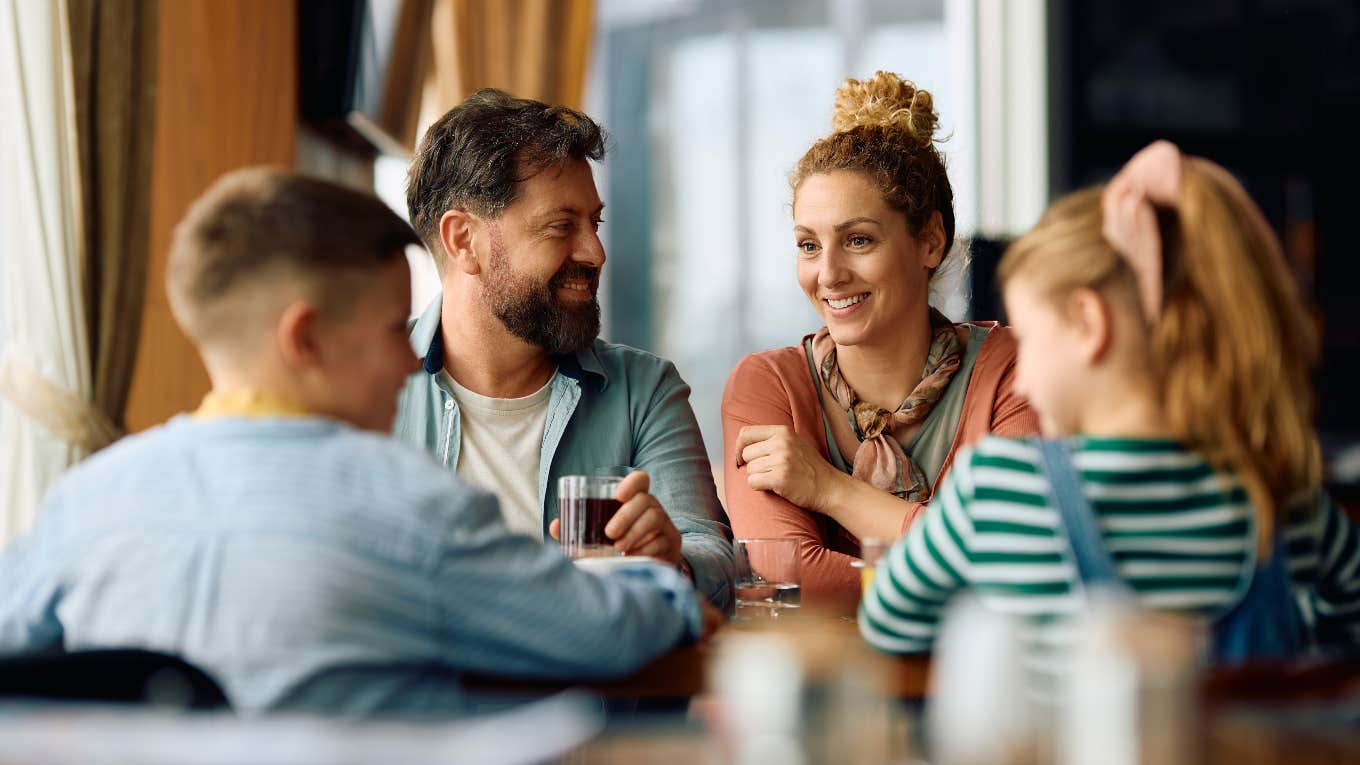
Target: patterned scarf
[880,460]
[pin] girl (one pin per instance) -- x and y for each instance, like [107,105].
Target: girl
[1161,334]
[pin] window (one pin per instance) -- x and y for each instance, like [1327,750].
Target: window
[711,105]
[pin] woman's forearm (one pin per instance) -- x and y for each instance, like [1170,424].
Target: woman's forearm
[863,510]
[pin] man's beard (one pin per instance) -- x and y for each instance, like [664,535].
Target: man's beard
[533,312]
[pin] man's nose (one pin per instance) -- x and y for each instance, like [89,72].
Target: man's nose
[591,250]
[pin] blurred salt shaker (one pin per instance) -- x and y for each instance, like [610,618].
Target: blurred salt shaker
[978,711]
[758,680]
[1130,692]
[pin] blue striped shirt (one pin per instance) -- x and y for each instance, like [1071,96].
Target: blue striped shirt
[309,565]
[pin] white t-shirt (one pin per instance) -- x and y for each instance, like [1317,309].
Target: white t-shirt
[502,442]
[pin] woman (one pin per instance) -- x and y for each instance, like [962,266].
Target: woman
[842,437]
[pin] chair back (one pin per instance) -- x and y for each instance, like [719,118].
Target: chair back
[111,676]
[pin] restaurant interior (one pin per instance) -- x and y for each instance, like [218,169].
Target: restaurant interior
[120,114]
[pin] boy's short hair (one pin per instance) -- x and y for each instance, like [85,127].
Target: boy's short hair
[258,226]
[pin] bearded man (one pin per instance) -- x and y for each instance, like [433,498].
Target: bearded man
[515,388]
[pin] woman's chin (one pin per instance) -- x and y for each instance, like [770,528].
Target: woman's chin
[844,336]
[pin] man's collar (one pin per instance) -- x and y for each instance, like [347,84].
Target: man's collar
[425,337]
[582,363]
[427,341]
[434,356]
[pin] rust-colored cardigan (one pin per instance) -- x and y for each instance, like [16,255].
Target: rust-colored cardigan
[775,388]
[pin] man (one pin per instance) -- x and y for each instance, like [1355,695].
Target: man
[515,389]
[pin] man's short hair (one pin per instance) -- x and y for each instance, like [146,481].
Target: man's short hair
[258,226]
[475,157]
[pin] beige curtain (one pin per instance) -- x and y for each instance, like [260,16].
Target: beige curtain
[75,90]
[114,63]
[44,370]
[530,48]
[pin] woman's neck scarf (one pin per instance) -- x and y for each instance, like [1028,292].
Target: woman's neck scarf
[880,459]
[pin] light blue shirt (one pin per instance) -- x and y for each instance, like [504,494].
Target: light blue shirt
[308,565]
[610,405]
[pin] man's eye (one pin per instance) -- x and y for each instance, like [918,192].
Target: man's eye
[596,223]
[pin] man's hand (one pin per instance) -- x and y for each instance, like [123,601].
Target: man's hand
[641,526]
[779,460]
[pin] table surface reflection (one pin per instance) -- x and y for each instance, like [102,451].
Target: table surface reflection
[684,672]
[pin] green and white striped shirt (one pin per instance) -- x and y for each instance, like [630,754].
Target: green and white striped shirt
[1180,533]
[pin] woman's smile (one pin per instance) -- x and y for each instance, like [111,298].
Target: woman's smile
[840,306]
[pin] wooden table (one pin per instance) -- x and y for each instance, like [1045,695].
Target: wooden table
[683,672]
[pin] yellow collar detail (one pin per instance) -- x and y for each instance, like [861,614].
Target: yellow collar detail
[246,403]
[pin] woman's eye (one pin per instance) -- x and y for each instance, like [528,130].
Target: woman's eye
[807,248]
[858,240]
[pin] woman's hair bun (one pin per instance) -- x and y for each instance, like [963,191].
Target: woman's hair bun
[886,100]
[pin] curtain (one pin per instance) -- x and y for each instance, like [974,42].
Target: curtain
[76,80]
[114,57]
[44,375]
[529,48]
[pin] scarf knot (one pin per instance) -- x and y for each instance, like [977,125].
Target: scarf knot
[881,459]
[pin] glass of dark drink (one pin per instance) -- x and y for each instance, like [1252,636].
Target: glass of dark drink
[586,503]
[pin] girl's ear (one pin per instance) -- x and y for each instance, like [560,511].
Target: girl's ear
[1093,323]
[456,231]
[297,336]
[932,240]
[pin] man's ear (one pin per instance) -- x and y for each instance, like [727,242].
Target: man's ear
[1090,315]
[297,336]
[457,230]
[932,240]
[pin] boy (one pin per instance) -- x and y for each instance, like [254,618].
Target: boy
[275,537]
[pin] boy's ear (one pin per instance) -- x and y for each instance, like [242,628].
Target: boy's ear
[1090,315]
[457,229]
[932,241]
[297,336]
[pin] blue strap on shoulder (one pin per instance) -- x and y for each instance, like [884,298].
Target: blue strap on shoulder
[1094,565]
[1265,624]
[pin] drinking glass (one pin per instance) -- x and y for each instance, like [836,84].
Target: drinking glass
[586,504]
[768,584]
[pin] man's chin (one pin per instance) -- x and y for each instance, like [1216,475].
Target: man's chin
[578,306]
[580,343]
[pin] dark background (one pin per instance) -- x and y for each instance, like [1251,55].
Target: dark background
[1268,88]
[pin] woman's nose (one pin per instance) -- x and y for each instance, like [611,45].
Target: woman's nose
[833,272]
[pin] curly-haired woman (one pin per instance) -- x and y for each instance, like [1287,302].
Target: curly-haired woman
[843,436]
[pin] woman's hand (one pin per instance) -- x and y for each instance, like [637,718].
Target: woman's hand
[779,460]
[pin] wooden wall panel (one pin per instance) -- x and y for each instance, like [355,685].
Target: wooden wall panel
[226,98]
